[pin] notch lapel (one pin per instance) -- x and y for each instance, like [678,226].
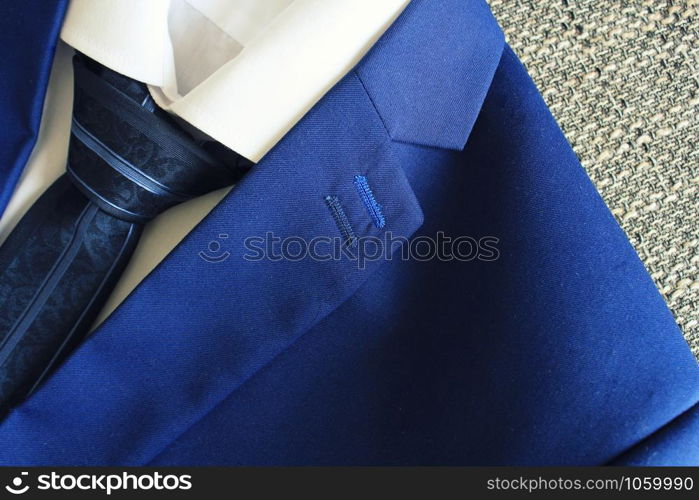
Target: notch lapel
[195,330]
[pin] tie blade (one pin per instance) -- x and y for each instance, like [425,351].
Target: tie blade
[128,161]
[56,270]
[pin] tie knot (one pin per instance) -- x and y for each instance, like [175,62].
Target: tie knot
[134,164]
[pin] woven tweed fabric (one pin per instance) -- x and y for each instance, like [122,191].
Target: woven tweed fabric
[621,78]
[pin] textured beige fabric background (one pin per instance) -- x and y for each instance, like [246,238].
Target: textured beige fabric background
[622,79]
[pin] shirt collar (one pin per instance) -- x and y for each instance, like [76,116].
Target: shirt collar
[255,98]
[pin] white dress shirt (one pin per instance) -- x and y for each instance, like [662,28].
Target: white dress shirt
[241,71]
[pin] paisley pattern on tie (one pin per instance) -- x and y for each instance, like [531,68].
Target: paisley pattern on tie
[127,163]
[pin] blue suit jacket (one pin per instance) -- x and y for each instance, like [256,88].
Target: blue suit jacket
[560,351]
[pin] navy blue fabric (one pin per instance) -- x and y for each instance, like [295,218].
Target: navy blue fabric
[28,34]
[560,351]
[675,444]
[418,104]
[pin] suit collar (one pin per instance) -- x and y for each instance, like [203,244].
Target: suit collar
[429,74]
[195,330]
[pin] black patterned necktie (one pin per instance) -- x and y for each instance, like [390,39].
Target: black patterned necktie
[128,161]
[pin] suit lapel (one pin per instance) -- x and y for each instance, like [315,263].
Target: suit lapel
[208,318]
[28,35]
[195,329]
